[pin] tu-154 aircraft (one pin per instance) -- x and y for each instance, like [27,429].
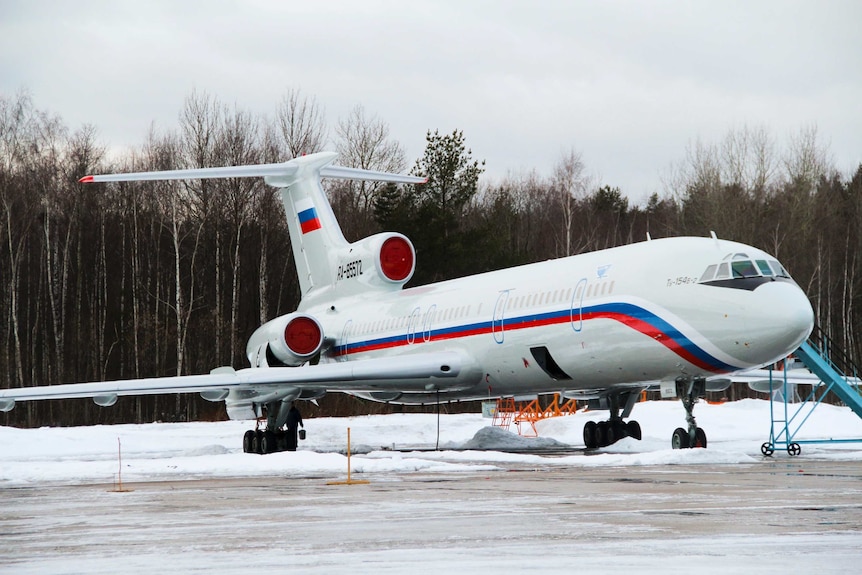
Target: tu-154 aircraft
[684,312]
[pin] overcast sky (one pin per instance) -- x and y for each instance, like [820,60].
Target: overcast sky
[627,84]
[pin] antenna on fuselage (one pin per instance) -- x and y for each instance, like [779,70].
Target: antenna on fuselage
[714,237]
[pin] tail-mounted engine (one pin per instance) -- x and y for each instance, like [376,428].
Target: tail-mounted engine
[385,261]
[289,340]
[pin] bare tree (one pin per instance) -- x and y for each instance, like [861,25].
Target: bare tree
[569,184]
[302,124]
[363,142]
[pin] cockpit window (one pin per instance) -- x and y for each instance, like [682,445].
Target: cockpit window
[740,266]
[744,269]
[708,274]
[778,269]
[764,267]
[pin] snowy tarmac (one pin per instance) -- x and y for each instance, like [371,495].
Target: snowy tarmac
[200,505]
[771,517]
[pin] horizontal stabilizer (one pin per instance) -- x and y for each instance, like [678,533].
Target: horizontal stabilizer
[278,175]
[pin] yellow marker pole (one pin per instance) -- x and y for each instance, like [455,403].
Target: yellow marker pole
[349,480]
[119,486]
[348,456]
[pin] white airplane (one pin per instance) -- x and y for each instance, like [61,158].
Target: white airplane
[682,312]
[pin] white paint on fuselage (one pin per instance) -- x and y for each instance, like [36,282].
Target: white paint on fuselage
[619,316]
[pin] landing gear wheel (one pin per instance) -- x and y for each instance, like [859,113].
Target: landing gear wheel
[248,441]
[268,443]
[257,446]
[699,438]
[633,429]
[767,449]
[590,439]
[612,434]
[602,434]
[794,449]
[679,439]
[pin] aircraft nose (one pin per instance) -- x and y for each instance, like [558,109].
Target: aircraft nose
[784,315]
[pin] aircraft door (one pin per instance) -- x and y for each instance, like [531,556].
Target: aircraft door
[577,313]
[413,325]
[498,320]
[345,337]
[429,319]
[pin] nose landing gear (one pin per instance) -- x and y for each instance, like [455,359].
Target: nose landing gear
[690,390]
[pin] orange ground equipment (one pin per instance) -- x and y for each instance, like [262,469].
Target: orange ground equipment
[525,414]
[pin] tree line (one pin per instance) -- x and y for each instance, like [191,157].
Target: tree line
[141,279]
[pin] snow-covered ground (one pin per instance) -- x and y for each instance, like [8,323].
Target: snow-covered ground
[393,444]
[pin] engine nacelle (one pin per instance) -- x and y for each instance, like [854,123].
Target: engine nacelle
[288,340]
[385,260]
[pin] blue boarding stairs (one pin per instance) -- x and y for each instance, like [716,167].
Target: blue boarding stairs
[837,372]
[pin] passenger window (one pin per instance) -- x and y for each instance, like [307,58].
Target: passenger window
[764,267]
[709,273]
[744,269]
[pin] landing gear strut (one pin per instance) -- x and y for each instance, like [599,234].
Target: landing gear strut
[690,391]
[604,433]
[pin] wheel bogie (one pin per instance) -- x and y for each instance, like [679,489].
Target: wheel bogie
[605,433]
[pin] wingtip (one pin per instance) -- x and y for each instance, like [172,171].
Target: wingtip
[86,180]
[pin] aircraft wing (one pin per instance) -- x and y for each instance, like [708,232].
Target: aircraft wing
[420,372]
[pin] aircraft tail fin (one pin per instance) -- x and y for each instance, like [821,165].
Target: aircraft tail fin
[319,247]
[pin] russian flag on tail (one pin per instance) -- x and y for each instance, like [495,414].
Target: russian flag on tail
[308,220]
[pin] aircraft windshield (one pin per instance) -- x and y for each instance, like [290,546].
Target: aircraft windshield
[741,266]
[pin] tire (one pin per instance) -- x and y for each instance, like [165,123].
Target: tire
[767,449]
[679,439]
[590,435]
[602,434]
[633,429]
[268,443]
[612,433]
[248,441]
[699,438]
[794,449]
[258,440]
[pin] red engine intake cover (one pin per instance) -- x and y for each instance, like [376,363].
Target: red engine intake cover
[396,259]
[302,336]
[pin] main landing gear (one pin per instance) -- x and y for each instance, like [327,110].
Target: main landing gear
[604,433]
[690,391]
[273,437]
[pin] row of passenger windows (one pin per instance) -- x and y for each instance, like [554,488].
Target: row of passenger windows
[741,266]
[536,299]
[595,290]
[403,322]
